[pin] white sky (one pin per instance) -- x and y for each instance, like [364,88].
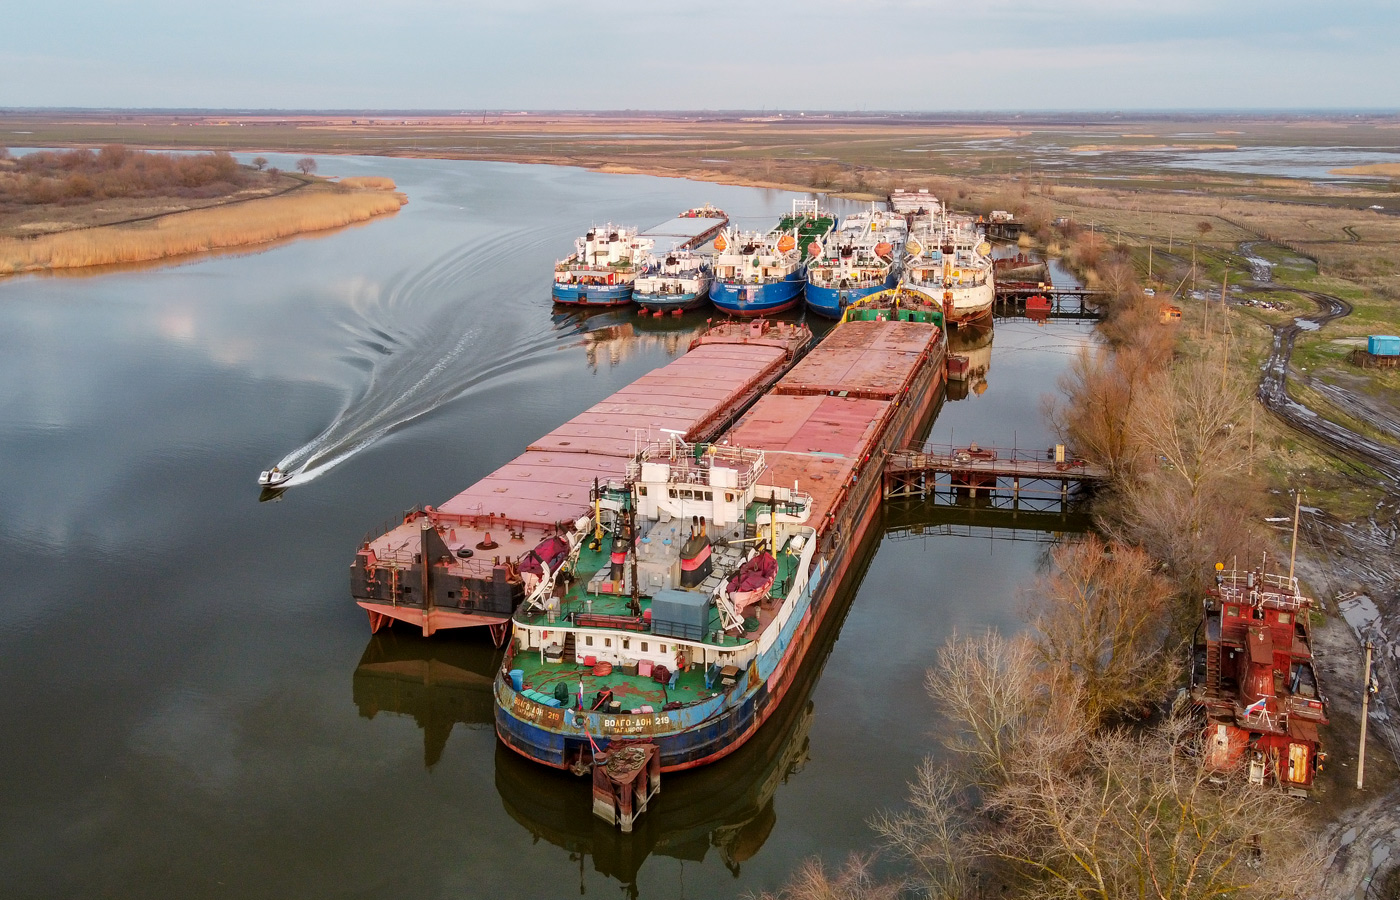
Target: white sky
[703,54]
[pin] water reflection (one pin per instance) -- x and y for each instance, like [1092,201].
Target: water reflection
[970,358]
[439,683]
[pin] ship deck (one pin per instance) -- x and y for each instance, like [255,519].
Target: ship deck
[585,606]
[593,593]
[632,691]
[863,358]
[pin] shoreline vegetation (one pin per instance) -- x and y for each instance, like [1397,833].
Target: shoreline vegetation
[80,209]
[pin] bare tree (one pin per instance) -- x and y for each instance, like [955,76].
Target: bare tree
[4,152]
[1140,818]
[1043,806]
[1195,506]
[1100,617]
[1204,227]
[854,881]
[306,165]
[1101,391]
[260,162]
[987,686]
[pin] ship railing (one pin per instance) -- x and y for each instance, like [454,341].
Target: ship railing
[795,505]
[685,468]
[1261,719]
[1307,707]
[603,620]
[1257,587]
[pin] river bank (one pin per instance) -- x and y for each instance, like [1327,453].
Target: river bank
[314,207]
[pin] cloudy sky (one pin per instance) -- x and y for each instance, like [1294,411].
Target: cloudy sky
[703,54]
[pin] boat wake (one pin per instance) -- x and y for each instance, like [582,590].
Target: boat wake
[425,342]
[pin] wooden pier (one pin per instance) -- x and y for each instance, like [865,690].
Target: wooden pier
[1032,480]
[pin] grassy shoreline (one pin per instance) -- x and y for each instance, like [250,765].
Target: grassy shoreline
[318,206]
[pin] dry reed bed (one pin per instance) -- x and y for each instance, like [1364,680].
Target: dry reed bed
[178,234]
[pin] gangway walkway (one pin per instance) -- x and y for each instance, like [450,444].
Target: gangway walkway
[1037,480]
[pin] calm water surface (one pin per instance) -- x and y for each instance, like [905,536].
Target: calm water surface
[193,707]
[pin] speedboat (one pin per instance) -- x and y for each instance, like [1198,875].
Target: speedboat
[274,478]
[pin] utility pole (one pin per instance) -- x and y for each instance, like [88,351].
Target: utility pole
[1149,260]
[1253,403]
[1365,711]
[1293,553]
[1224,334]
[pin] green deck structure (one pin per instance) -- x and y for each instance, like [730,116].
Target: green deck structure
[808,229]
[632,691]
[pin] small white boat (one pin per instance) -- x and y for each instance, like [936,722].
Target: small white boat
[274,478]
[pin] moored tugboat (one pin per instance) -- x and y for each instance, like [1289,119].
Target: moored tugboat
[601,269]
[673,282]
[1253,678]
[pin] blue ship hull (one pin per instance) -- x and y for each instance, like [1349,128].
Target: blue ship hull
[739,299]
[687,737]
[671,301]
[832,302]
[592,294]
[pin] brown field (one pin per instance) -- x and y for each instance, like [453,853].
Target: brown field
[1390,169]
[314,208]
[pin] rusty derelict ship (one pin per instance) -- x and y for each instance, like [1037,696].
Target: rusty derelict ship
[1254,679]
[675,583]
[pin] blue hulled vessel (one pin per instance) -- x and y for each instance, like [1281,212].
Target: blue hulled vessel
[761,274]
[600,271]
[855,261]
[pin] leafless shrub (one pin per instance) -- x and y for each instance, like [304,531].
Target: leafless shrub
[1101,623]
[854,881]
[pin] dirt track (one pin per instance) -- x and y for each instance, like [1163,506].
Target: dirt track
[1273,391]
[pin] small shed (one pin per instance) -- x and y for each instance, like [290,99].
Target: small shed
[1383,345]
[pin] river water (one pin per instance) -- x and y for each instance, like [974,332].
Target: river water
[193,707]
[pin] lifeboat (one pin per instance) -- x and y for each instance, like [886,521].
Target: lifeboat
[786,243]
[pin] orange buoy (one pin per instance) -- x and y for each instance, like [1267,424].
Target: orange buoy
[786,243]
[721,243]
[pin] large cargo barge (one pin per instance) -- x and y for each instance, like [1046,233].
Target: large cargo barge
[469,561]
[682,610]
